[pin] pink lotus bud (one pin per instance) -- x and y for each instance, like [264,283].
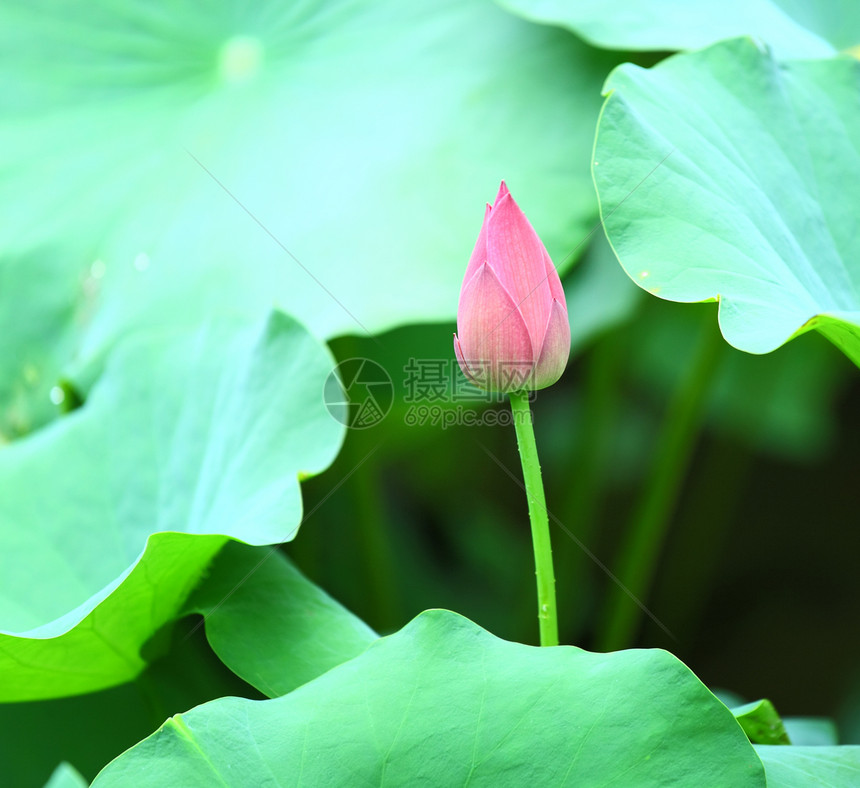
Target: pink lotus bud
[513,332]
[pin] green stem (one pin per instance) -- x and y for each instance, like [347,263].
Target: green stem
[547,616]
[649,525]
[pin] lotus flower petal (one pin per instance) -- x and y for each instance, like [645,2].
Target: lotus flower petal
[503,190]
[516,254]
[494,341]
[556,348]
[458,352]
[555,288]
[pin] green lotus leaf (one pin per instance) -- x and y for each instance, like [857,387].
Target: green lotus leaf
[811,731]
[726,175]
[810,767]
[269,624]
[761,723]
[42,304]
[66,776]
[794,28]
[111,514]
[443,702]
[330,158]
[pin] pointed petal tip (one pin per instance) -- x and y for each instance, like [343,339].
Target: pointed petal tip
[506,204]
[503,192]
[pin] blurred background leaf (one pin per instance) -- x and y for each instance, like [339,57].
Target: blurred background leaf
[42,306]
[168,163]
[811,731]
[66,776]
[793,28]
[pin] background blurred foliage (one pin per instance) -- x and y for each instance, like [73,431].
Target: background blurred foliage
[110,228]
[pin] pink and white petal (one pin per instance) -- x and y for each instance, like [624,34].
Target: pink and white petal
[556,348]
[462,362]
[555,288]
[516,254]
[479,253]
[494,340]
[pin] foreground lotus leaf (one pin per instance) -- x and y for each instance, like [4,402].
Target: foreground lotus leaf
[444,702]
[110,515]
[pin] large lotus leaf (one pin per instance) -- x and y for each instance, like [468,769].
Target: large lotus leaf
[443,702]
[761,722]
[110,515]
[42,304]
[810,767]
[723,174]
[363,136]
[794,28]
[271,625]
